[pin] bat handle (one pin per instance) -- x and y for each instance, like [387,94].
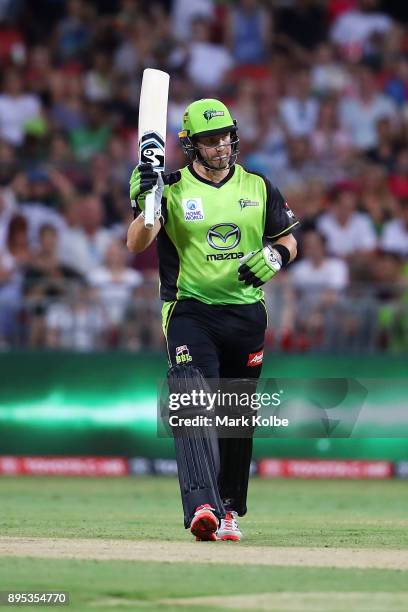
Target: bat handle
[149,209]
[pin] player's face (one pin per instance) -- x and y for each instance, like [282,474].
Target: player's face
[216,150]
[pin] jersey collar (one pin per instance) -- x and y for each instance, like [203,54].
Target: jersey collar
[206,182]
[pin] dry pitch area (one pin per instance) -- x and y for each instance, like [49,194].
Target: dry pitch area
[203,552]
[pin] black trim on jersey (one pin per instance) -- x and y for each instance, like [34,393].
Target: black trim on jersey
[169,265]
[172,177]
[276,217]
[206,182]
[168,179]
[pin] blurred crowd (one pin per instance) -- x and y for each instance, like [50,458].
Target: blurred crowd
[320,93]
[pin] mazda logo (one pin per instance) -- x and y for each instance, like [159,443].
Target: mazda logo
[224,236]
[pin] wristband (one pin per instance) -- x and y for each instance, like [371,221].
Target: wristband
[283,252]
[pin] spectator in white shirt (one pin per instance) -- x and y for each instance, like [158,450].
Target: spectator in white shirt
[16,108]
[183,13]
[347,231]
[299,110]
[394,238]
[207,62]
[114,282]
[360,114]
[84,243]
[316,271]
[354,30]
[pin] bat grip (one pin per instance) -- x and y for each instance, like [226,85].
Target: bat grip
[149,209]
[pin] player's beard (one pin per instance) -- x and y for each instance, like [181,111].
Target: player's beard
[219,162]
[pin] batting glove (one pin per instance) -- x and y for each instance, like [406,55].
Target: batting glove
[142,181]
[259,266]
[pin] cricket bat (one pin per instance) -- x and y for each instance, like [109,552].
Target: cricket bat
[152,128]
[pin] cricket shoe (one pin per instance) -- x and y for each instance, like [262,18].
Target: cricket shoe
[204,524]
[229,529]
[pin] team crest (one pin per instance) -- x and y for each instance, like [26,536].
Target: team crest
[244,202]
[209,114]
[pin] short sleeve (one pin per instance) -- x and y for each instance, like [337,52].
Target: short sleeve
[279,218]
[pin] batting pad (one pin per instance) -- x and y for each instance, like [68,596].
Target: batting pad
[197,452]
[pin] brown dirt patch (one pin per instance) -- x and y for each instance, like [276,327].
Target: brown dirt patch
[202,552]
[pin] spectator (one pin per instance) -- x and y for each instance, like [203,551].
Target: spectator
[45,279]
[359,115]
[7,210]
[316,272]
[12,43]
[245,109]
[183,14]
[202,53]
[300,166]
[398,179]
[301,26]
[16,108]
[328,75]
[330,144]
[347,231]
[299,110]
[269,153]
[74,32]
[114,283]
[376,198]
[396,87]
[78,324]
[98,82]
[395,235]
[93,137]
[84,242]
[385,151]
[248,32]
[13,258]
[354,31]
[136,50]
[67,111]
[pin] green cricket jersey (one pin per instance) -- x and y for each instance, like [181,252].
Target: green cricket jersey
[208,228]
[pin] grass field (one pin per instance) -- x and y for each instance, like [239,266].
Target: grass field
[309,546]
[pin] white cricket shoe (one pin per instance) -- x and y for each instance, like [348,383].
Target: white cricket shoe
[228,529]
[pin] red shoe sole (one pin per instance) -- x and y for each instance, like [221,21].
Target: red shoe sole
[231,538]
[204,527]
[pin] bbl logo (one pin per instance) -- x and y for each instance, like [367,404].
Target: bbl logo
[152,150]
[183,354]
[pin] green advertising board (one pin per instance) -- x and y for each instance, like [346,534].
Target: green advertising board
[105,404]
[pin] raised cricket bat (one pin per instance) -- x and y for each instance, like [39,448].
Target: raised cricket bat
[152,128]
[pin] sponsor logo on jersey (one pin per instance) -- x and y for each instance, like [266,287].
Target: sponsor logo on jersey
[244,202]
[224,256]
[289,212]
[183,354]
[255,359]
[209,114]
[193,209]
[224,236]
